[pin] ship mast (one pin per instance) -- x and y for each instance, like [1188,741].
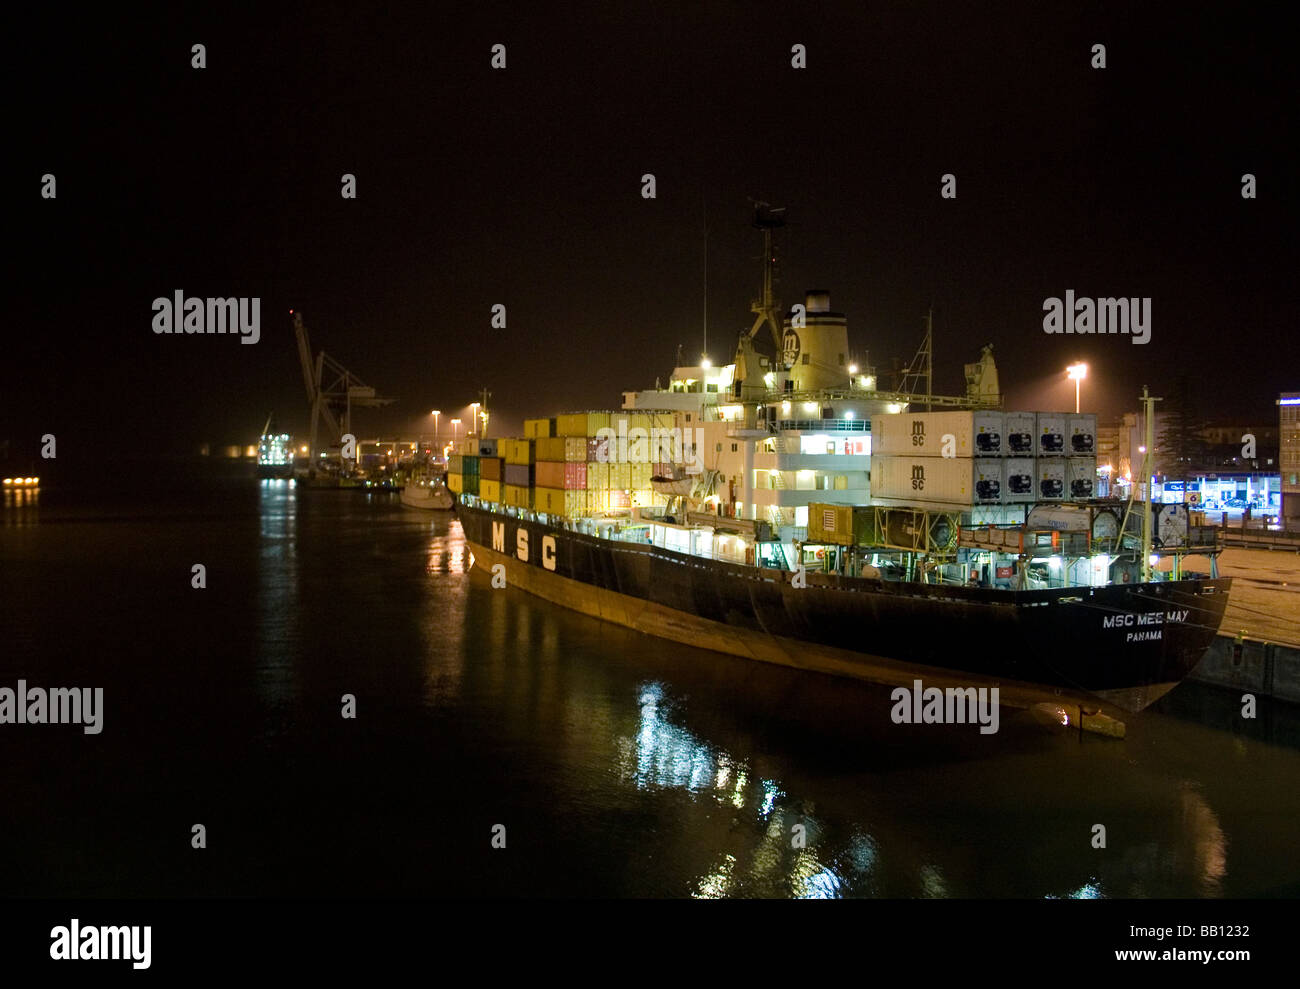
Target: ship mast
[1148,413]
[922,365]
[767,218]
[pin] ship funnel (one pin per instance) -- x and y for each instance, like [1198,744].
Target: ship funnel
[816,352]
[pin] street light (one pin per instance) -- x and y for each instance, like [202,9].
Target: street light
[435,413]
[473,423]
[1077,372]
[455,429]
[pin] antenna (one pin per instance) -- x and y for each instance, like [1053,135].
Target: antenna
[705,210]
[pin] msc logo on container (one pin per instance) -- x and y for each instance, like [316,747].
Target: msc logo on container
[918,477]
[918,435]
[521,544]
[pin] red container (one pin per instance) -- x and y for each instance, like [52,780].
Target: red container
[598,450]
[575,476]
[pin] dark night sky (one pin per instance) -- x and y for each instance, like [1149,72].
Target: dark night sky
[523,187]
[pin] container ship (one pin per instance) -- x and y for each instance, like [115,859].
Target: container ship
[783,508]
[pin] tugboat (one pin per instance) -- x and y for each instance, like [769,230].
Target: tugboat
[427,493]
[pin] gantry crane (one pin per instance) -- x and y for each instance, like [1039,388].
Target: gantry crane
[332,391]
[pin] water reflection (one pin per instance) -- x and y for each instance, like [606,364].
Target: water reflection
[21,506]
[278,591]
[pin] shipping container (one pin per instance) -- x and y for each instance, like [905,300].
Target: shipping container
[469,465]
[471,484]
[581,423]
[489,490]
[987,429]
[520,475]
[550,448]
[487,448]
[1051,478]
[938,434]
[640,476]
[620,476]
[518,451]
[549,474]
[1018,432]
[535,429]
[517,496]
[841,525]
[455,464]
[575,449]
[469,447]
[575,476]
[598,450]
[489,468]
[1082,435]
[1081,478]
[557,501]
[455,482]
[597,477]
[988,477]
[1020,480]
[942,480]
[1051,434]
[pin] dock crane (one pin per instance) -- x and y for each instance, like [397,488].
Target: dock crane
[332,391]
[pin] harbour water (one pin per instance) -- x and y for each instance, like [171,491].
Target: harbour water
[617,764]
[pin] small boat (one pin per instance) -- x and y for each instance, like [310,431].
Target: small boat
[427,495]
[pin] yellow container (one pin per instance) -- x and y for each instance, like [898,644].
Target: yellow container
[580,423]
[518,451]
[490,491]
[468,448]
[551,449]
[620,476]
[517,496]
[456,483]
[597,476]
[575,449]
[535,429]
[554,501]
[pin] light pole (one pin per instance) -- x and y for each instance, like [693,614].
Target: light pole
[435,413]
[455,430]
[473,423]
[1077,372]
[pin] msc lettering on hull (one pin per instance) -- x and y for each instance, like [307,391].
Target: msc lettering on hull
[1147,618]
[521,544]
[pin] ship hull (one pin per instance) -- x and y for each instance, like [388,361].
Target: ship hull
[1123,645]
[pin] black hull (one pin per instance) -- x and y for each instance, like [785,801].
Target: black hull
[1124,644]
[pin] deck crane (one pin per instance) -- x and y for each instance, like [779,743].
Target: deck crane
[332,392]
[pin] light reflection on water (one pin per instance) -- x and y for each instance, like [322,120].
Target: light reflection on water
[665,755]
[627,767]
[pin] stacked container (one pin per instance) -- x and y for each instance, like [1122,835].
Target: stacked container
[993,458]
[463,474]
[946,458]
